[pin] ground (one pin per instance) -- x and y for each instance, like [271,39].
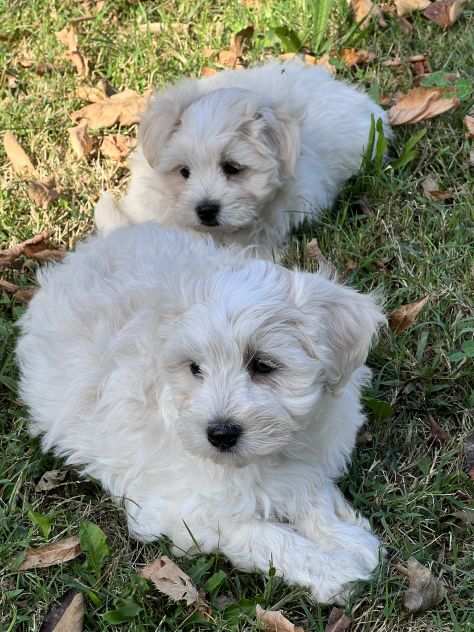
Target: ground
[411,484]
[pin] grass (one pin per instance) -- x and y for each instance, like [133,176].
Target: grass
[409,484]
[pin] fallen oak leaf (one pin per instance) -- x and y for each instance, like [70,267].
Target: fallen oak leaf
[42,193]
[356,56]
[81,142]
[123,107]
[424,590]
[117,146]
[68,37]
[444,12]
[19,159]
[338,621]
[469,123]
[431,190]
[403,317]
[239,42]
[30,245]
[437,432]
[420,104]
[274,621]
[51,554]
[405,7]
[313,251]
[50,480]
[364,11]
[20,294]
[169,579]
[68,616]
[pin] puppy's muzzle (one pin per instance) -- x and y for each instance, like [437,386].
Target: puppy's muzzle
[223,434]
[208,212]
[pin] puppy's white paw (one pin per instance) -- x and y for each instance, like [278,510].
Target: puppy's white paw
[331,575]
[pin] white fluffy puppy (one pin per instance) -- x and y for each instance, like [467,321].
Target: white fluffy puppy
[245,155]
[217,395]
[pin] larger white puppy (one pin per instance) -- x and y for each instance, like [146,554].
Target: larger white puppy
[245,155]
[217,396]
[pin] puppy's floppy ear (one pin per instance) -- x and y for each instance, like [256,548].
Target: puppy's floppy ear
[280,130]
[339,323]
[162,116]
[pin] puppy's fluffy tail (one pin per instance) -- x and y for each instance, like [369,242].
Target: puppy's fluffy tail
[108,215]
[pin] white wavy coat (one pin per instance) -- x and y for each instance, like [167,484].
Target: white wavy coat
[295,133]
[108,356]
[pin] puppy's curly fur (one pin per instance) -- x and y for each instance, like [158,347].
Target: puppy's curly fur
[245,155]
[217,395]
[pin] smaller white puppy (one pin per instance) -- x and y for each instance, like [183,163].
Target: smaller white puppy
[217,395]
[245,155]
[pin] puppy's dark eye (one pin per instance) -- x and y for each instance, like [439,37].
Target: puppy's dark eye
[185,172]
[195,368]
[261,367]
[231,169]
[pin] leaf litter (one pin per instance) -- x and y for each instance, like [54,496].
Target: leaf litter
[444,12]
[18,157]
[420,104]
[122,108]
[81,141]
[431,189]
[36,247]
[67,616]
[338,621]
[275,621]
[117,146]
[169,579]
[69,38]
[239,43]
[403,317]
[51,554]
[424,590]
[50,480]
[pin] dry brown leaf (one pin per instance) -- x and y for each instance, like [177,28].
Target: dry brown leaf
[124,108]
[444,12]
[403,317]
[50,480]
[117,146]
[51,554]
[38,242]
[239,42]
[405,7]
[68,616]
[395,62]
[465,515]
[420,104]
[469,455]
[21,163]
[469,123]
[20,294]
[274,621]
[208,72]
[81,142]
[169,579]
[437,432]
[431,189]
[314,252]
[471,158]
[91,94]
[68,37]
[364,11]
[338,621]
[424,591]
[42,193]
[356,56]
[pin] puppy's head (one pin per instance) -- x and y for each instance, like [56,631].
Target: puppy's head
[218,157]
[248,365]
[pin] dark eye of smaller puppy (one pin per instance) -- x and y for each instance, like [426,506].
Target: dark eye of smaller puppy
[260,366]
[195,368]
[185,172]
[230,168]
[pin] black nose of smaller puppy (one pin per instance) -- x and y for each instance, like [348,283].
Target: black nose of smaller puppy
[207,212]
[223,434]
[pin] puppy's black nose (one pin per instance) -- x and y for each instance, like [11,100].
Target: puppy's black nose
[223,434]
[207,212]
